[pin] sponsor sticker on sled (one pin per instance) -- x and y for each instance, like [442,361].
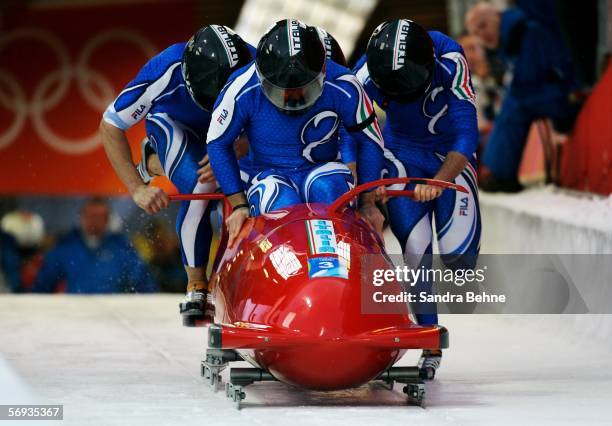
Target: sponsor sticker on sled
[326,267]
[321,236]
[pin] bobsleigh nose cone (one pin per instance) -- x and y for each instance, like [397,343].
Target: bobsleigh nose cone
[330,365]
[326,310]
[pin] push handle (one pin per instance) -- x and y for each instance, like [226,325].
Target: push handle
[344,199]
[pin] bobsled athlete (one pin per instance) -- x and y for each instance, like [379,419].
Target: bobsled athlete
[333,52]
[421,79]
[290,102]
[174,93]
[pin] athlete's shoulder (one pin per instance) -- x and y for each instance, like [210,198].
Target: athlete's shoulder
[242,80]
[449,56]
[246,72]
[452,67]
[340,81]
[174,52]
[159,66]
[233,101]
[334,69]
[247,69]
[361,70]
[443,44]
[169,56]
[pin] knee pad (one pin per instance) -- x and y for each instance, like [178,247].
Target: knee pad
[179,149]
[271,191]
[326,183]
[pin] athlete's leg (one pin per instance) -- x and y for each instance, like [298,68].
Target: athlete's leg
[179,150]
[458,230]
[325,183]
[458,225]
[411,224]
[269,191]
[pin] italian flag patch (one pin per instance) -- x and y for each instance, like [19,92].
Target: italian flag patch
[364,110]
[462,84]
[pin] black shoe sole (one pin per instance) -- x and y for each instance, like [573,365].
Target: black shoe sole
[195,320]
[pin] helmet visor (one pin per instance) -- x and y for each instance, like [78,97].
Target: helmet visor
[293,99]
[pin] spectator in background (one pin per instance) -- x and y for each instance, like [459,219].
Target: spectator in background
[9,263]
[91,260]
[488,92]
[28,231]
[542,85]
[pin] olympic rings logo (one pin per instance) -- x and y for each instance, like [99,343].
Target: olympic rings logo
[94,87]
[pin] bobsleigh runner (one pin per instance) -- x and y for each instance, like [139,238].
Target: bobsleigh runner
[288,301]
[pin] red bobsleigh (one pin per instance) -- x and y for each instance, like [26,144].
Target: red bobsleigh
[288,301]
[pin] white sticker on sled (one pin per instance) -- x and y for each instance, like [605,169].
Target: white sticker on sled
[321,236]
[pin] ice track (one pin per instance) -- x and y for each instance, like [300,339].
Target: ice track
[125,360]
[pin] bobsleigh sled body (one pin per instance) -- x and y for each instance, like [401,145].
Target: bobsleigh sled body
[288,299]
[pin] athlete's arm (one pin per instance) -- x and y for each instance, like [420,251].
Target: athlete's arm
[240,213]
[348,151]
[149,198]
[462,114]
[222,157]
[452,166]
[229,118]
[227,122]
[358,117]
[363,75]
[461,104]
[225,167]
[129,108]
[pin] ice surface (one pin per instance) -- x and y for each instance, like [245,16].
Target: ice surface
[125,360]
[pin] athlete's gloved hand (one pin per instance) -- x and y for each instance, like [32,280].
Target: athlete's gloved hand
[150,198]
[424,193]
[205,173]
[234,223]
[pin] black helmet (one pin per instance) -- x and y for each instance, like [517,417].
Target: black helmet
[290,65]
[332,48]
[400,57]
[211,55]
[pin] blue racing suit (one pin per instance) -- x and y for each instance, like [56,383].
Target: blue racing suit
[294,158]
[176,127]
[418,136]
